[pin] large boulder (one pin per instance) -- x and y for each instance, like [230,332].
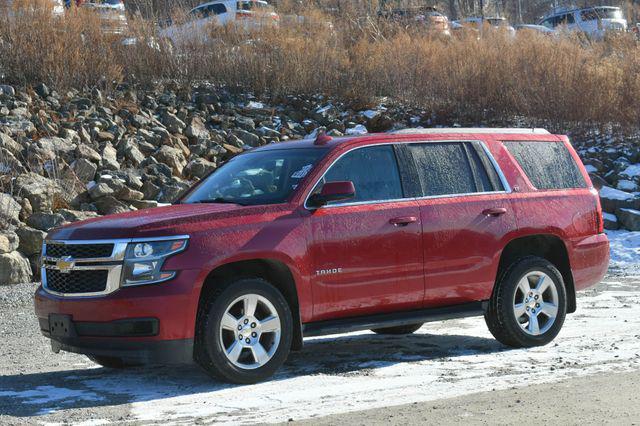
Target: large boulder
[614,199]
[172,157]
[8,143]
[30,240]
[247,138]
[173,123]
[629,218]
[199,168]
[84,169]
[8,241]
[14,268]
[45,221]
[197,129]
[39,190]
[9,209]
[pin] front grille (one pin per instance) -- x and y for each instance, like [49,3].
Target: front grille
[79,251]
[76,282]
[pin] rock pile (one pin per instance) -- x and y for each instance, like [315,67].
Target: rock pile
[70,156]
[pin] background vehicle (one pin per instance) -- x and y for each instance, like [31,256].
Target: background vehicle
[112,13]
[478,23]
[249,14]
[57,6]
[535,28]
[434,21]
[307,238]
[593,21]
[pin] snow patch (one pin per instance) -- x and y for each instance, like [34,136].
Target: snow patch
[627,185]
[357,130]
[625,250]
[632,170]
[255,105]
[590,168]
[614,194]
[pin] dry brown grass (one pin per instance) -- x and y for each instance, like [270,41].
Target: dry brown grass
[559,79]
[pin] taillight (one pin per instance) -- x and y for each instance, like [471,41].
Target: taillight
[599,215]
[243,14]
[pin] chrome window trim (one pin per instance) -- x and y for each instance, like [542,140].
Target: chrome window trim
[114,264]
[505,184]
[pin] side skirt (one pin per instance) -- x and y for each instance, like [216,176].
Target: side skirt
[347,325]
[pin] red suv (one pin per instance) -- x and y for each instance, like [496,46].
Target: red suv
[382,232]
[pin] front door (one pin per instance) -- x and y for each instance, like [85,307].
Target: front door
[367,251]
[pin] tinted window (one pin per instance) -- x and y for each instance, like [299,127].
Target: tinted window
[453,168]
[373,171]
[548,165]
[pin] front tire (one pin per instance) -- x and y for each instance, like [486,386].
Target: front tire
[245,332]
[529,304]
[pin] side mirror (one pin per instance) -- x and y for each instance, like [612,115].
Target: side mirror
[333,191]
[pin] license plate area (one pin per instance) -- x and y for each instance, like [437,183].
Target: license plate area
[61,326]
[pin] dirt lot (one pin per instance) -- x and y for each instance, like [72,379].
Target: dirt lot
[591,372]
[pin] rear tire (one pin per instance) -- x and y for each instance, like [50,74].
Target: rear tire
[528,305]
[113,362]
[401,329]
[244,332]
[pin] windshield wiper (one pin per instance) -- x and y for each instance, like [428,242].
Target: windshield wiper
[219,200]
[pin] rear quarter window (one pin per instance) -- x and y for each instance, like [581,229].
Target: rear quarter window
[548,165]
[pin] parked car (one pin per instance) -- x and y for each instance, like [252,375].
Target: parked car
[324,236]
[249,14]
[112,13]
[56,6]
[535,28]
[592,21]
[434,21]
[479,23]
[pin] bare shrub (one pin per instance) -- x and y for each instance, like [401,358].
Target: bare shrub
[353,58]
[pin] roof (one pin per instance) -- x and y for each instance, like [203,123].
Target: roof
[309,143]
[471,130]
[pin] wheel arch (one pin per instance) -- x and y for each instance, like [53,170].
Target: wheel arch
[275,271]
[547,246]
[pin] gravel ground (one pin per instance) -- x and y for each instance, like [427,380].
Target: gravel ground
[359,373]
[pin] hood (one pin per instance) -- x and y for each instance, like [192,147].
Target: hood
[156,222]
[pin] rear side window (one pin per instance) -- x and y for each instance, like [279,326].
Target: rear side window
[451,168]
[548,165]
[373,171]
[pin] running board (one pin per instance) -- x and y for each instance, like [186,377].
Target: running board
[347,325]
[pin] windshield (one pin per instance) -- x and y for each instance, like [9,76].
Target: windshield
[263,177]
[255,5]
[497,22]
[601,13]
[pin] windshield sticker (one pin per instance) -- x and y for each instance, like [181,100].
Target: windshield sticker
[302,172]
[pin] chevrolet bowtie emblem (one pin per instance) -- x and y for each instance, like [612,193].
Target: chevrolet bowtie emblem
[65,265]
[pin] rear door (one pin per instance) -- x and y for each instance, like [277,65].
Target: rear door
[466,213]
[367,251]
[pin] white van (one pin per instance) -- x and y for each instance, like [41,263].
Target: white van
[247,13]
[593,21]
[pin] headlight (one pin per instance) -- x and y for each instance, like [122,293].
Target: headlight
[143,261]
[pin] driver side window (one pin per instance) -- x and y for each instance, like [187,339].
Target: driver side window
[373,171]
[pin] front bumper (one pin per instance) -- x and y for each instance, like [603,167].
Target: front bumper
[115,339]
[153,323]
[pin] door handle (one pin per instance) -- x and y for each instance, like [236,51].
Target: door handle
[497,211]
[403,221]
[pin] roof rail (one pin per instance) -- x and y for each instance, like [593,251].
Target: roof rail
[469,130]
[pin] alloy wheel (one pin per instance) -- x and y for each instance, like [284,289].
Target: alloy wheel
[535,303]
[250,331]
